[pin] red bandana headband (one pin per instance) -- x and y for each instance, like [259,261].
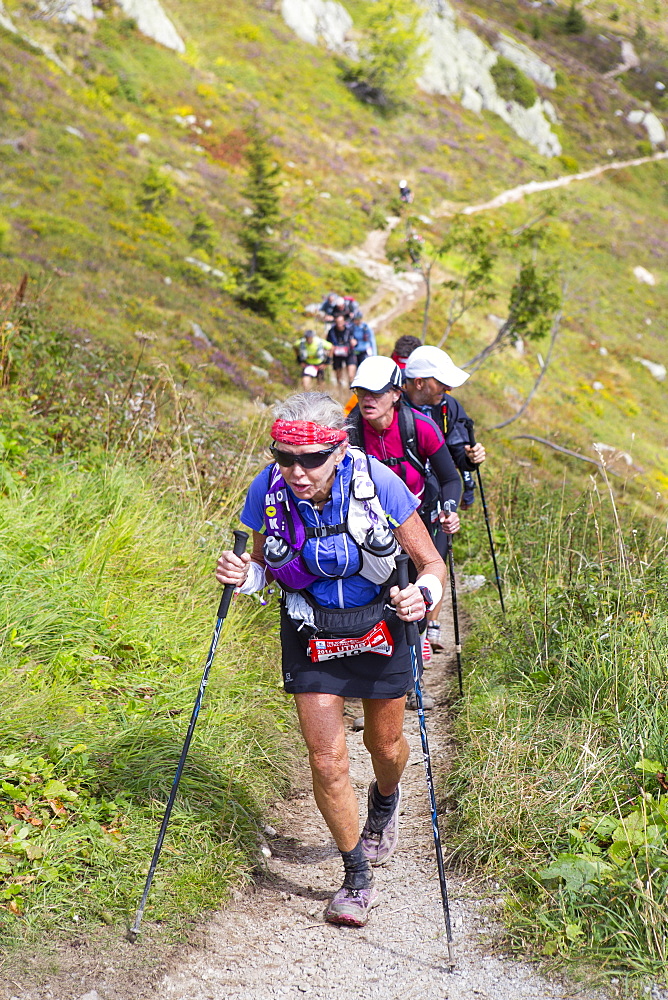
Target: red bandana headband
[305,432]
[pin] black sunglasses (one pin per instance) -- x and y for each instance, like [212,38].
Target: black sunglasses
[311,460]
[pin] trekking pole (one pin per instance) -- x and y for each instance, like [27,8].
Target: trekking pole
[240,539]
[453,595]
[413,640]
[469,424]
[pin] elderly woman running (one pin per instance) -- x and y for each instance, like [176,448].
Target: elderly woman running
[327,522]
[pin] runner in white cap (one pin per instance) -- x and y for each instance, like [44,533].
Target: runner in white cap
[430,374]
[409,443]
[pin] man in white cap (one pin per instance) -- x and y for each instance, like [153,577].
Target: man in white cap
[430,375]
[409,443]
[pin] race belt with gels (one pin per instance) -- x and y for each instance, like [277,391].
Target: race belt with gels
[377,640]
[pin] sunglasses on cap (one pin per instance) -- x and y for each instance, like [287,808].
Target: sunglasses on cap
[311,460]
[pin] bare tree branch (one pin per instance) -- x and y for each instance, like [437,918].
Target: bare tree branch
[556,323]
[565,451]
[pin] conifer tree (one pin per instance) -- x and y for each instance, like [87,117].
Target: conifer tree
[263,273]
[574,22]
[203,234]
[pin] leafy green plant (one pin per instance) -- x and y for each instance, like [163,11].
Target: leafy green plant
[564,795]
[512,84]
[389,54]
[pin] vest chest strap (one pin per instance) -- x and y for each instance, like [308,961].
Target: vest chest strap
[325,530]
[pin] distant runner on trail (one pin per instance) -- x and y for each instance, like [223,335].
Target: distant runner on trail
[364,335]
[430,374]
[326,520]
[343,353]
[327,307]
[410,444]
[312,354]
[405,192]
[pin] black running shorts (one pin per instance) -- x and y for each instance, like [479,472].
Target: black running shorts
[342,362]
[368,675]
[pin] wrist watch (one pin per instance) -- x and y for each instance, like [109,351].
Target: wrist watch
[426,596]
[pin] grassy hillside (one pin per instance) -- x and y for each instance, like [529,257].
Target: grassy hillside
[128,386]
[77,149]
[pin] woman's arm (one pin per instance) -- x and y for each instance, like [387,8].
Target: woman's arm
[415,541]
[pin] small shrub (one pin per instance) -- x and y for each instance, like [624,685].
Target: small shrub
[614,15]
[574,22]
[248,32]
[645,147]
[5,230]
[156,191]
[512,84]
[536,28]
[378,217]
[569,163]
[203,234]
[640,32]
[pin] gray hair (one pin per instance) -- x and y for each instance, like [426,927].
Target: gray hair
[317,407]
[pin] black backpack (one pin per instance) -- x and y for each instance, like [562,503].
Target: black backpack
[408,432]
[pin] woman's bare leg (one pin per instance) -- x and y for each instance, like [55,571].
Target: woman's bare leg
[384,739]
[321,721]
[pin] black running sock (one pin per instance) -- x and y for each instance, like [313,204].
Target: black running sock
[381,808]
[357,868]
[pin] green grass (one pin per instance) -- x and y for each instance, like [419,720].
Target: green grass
[108,541]
[565,727]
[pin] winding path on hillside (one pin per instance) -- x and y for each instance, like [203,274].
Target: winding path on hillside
[398,292]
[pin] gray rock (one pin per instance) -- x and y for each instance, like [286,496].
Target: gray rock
[653,367]
[458,63]
[656,133]
[199,333]
[527,61]
[317,21]
[153,22]
[69,12]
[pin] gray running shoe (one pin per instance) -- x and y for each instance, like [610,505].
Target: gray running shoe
[351,906]
[427,701]
[379,847]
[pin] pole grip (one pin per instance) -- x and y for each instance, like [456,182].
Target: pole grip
[412,632]
[240,540]
[469,427]
[402,570]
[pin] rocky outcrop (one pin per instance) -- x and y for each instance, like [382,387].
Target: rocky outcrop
[152,21]
[458,64]
[629,60]
[656,133]
[526,60]
[150,16]
[317,21]
[69,13]
[6,21]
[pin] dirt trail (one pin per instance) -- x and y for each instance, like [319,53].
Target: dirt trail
[534,187]
[274,942]
[398,292]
